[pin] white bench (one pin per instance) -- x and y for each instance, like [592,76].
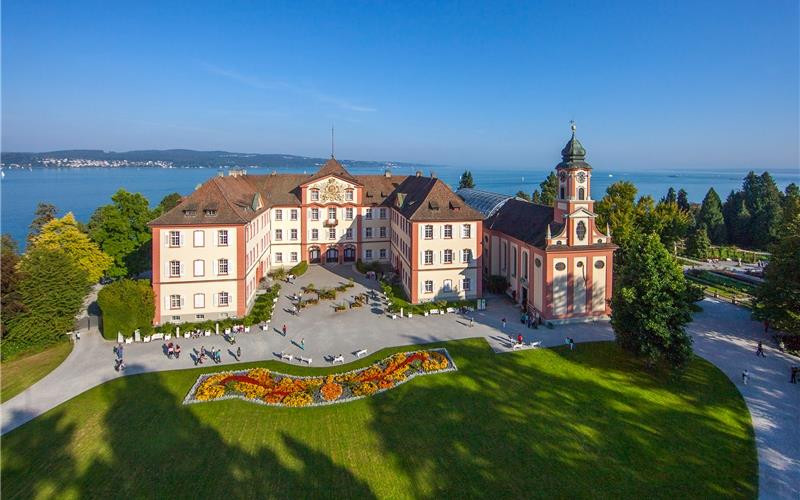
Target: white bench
[159,336]
[186,335]
[451,309]
[147,338]
[361,352]
[129,340]
[247,329]
[518,346]
[338,359]
[434,311]
[304,360]
[287,357]
[536,344]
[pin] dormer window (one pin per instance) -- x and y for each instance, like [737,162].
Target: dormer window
[210,212]
[190,213]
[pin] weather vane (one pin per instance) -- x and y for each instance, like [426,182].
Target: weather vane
[572,125]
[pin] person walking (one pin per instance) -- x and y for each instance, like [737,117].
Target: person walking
[503,321]
[238,353]
[177,351]
[519,338]
[303,344]
[571,344]
[760,350]
[471,321]
[745,376]
[795,372]
[284,329]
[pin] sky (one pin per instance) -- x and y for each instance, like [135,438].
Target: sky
[651,85]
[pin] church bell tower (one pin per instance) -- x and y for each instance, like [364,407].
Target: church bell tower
[574,180]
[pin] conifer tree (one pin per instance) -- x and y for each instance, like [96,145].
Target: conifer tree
[466,180]
[710,215]
[698,243]
[778,298]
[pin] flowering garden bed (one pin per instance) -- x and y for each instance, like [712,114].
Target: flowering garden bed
[260,385]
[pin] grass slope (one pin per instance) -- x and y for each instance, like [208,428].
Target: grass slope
[20,373]
[545,423]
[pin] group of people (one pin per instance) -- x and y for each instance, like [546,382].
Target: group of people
[215,355]
[531,319]
[173,350]
[119,363]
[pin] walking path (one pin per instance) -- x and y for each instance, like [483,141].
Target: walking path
[723,334]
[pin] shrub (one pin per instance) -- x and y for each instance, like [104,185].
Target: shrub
[300,269]
[497,284]
[125,306]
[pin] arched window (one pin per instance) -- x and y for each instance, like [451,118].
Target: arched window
[581,194]
[562,193]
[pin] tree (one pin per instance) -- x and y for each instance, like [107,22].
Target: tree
[64,235]
[698,244]
[169,202]
[52,288]
[466,180]
[549,190]
[536,197]
[673,223]
[671,197]
[127,305]
[121,231]
[777,300]
[683,199]
[617,209]
[791,202]
[651,304]
[710,215]
[9,285]
[45,212]
[522,194]
[763,201]
[737,219]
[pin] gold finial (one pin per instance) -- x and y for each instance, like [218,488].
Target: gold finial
[572,126]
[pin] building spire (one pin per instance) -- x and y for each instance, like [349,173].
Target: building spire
[573,127]
[332,143]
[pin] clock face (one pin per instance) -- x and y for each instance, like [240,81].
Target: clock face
[581,177]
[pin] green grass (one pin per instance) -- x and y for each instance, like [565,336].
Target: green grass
[545,423]
[22,372]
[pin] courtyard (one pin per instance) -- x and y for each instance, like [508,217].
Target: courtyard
[570,420]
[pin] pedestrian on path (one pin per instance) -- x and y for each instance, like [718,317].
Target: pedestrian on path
[284,329]
[177,351]
[238,353]
[471,321]
[504,323]
[745,376]
[795,374]
[519,338]
[760,350]
[303,344]
[571,344]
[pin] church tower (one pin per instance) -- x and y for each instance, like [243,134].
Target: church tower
[574,180]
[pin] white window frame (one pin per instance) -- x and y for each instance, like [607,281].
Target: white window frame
[428,286]
[466,231]
[332,233]
[293,257]
[348,213]
[314,194]
[222,237]
[427,261]
[315,234]
[293,234]
[368,254]
[293,214]
[278,214]
[348,234]
[175,301]
[383,213]
[279,235]
[349,194]
[447,256]
[382,253]
[428,232]
[174,269]
[466,284]
[278,257]
[223,267]
[223,303]
[202,270]
[368,213]
[315,214]
[368,232]
[201,236]
[331,213]
[382,232]
[175,239]
[447,286]
[466,255]
[447,231]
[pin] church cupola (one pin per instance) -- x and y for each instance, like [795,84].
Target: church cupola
[574,179]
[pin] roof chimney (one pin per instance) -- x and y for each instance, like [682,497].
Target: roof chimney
[387,173]
[419,173]
[274,172]
[433,174]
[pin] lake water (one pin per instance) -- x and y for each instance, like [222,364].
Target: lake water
[82,190]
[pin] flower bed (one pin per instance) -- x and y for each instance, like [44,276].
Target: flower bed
[260,385]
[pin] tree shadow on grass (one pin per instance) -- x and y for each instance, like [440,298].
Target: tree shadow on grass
[590,426]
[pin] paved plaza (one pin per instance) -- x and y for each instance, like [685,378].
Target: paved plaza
[723,334]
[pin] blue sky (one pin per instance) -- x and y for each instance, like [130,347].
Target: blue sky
[662,84]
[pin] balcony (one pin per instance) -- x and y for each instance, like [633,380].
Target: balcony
[331,222]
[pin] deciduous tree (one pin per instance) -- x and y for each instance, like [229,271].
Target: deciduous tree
[652,302]
[121,231]
[64,235]
[169,202]
[549,190]
[9,285]
[778,298]
[617,209]
[522,194]
[698,244]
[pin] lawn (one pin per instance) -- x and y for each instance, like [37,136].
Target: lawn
[545,423]
[20,373]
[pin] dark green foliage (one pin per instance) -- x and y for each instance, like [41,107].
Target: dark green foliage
[698,244]
[466,180]
[364,268]
[549,190]
[121,231]
[778,299]
[497,284]
[51,288]
[536,197]
[683,199]
[9,286]
[169,202]
[737,219]
[522,194]
[300,269]
[652,303]
[671,223]
[753,215]
[710,215]
[45,212]
[791,202]
[617,209]
[127,305]
[671,196]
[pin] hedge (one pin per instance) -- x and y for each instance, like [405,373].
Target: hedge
[300,269]
[126,305]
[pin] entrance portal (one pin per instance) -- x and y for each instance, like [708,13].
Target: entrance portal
[314,255]
[349,254]
[332,256]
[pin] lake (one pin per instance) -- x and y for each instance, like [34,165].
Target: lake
[81,190]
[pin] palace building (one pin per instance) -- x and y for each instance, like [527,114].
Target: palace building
[211,251]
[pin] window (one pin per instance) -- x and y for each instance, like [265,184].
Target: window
[279,214]
[332,213]
[332,233]
[448,256]
[581,194]
[293,234]
[349,233]
[176,318]
[368,254]
[382,231]
[525,265]
[367,213]
[174,301]
[199,316]
[199,300]
[174,268]
[315,234]
[514,262]
[199,238]
[466,255]
[293,257]
[428,257]
[315,195]
[222,267]
[466,284]
[293,214]
[599,264]
[368,232]
[210,212]
[223,299]
[447,285]
[383,213]
[562,193]
[429,232]
[348,213]
[537,262]
[278,234]
[561,266]
[383,253]
[466,231]
[448,231]
[315,214]
[348,195]
[428,286]
[199,267]
[278,257]
[174,238]
[580,230]
[222,237]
